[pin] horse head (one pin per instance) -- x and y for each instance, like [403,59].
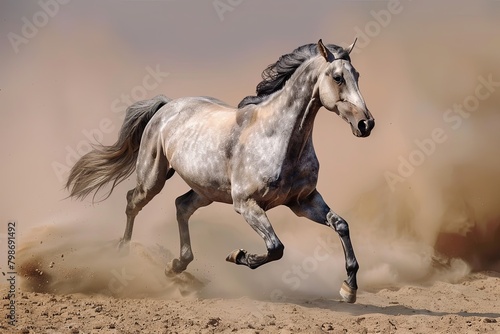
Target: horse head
[339,92]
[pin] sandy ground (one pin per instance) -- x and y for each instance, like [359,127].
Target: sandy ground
[469,306]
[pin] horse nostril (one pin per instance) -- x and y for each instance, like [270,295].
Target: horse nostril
[363,126]
[366,126]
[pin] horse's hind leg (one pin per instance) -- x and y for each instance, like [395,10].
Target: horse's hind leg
[152,172]
[257,219]
[186,205]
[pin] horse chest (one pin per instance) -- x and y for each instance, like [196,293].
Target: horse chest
[302,175]
[287,180]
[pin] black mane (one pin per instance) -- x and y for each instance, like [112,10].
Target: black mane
[275,75]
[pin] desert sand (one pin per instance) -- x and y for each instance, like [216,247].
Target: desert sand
[99,289]
[469,306]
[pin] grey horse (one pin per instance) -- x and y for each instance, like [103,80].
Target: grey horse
[255,157]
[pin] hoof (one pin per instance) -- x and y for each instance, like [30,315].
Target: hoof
[347,293]
[172,269]
[235,256]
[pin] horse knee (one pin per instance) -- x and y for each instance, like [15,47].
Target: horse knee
[276,252]
[338,223]
[342,228]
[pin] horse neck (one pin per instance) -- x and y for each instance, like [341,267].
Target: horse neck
[293,109]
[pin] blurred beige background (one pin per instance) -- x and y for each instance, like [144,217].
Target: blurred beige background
[68,69]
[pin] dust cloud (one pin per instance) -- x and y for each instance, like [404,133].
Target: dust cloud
[68,258]
[437,220]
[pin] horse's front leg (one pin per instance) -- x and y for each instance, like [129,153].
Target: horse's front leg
[257,219]
[315,208]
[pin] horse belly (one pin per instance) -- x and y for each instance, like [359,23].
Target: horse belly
[196,150]
[206,175]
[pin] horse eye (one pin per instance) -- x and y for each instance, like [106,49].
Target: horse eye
[338,78]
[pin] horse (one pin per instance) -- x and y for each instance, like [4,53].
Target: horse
[257,156]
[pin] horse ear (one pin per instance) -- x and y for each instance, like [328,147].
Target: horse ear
[322,49]
[350,47]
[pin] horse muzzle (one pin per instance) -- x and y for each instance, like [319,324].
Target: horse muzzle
[364,127]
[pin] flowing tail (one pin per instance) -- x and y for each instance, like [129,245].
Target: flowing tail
[114,163]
